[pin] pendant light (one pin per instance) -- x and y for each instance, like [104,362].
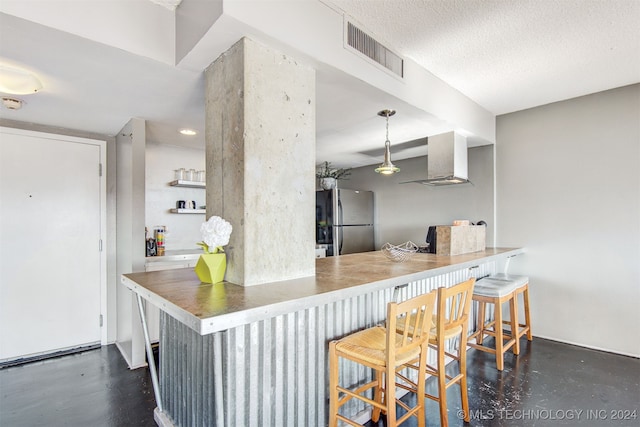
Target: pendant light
[387,168]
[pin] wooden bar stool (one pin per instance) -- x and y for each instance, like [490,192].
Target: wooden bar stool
[522,288]
[386,351]
[496,292]
[450,323]
[522,284]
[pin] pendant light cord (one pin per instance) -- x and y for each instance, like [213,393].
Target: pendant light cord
[387,143]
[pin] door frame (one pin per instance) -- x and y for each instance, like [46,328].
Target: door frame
[102,146]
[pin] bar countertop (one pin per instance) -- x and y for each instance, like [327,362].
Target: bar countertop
[209,308]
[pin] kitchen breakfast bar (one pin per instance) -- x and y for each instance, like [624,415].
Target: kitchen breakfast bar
[257,356]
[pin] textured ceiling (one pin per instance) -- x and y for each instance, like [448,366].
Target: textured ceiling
[508,55]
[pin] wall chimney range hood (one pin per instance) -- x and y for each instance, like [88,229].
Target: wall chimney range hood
[446,160]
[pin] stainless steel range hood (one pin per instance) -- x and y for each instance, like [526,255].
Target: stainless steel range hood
[446,160]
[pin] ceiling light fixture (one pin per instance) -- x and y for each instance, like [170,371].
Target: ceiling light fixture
[18,82]
[387,168]
[188,132]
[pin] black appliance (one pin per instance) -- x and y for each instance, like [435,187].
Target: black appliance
[431,239]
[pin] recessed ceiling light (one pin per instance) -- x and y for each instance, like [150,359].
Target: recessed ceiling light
[188,132]
[18,82]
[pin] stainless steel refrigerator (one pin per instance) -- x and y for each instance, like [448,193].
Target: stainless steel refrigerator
[344,221]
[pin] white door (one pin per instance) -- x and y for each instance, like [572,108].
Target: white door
[50,231]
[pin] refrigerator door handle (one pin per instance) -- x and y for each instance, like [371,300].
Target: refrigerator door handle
[340,230]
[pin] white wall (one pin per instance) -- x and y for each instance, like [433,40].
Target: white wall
[404,211]
[568,189]
[183,231]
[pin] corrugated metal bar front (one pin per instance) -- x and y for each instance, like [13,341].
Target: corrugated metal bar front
[272,372]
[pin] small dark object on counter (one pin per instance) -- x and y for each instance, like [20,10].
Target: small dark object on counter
[431,239]
[152,247]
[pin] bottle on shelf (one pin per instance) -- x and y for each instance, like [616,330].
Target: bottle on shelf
[159,232]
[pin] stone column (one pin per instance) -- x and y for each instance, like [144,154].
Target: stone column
[260,148]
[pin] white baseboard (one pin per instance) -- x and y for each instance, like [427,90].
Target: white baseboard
[591,347]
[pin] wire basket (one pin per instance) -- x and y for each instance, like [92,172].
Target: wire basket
[399,253]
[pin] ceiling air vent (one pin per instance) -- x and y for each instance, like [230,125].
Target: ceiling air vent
[371,48]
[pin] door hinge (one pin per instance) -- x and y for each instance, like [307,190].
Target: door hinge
[101,320]
[100,245]
[99,169]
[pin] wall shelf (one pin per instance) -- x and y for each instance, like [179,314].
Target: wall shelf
[190,184]
[189,211]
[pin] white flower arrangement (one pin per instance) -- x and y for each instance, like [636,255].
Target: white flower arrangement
[215,234]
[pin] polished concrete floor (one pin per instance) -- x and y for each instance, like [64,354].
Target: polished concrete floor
[92,388]
[549,384]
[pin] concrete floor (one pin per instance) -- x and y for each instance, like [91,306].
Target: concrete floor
[92,388]
[549,384]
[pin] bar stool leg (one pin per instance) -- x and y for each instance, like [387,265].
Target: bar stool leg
[375,415]
[498,335]
[515,329]
[464,396]
[422,378]
[527,317]
[390,395]
[480,328]
[333,385]
[442,387]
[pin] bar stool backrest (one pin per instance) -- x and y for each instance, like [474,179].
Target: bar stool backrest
[411,320]
[454,304]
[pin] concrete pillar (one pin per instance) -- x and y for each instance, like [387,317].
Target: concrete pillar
[260,148]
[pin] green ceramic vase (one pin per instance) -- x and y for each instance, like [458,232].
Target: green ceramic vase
[211,267]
